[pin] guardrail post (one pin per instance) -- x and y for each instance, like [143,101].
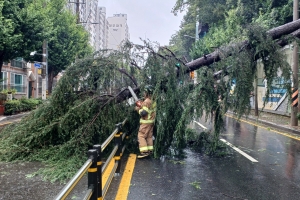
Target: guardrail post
[99,169]
[92,174]
[118,141]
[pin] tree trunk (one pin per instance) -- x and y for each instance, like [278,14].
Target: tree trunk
[1,60]
[292,28]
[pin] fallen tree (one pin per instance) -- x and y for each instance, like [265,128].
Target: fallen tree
[92,96]
[292,28]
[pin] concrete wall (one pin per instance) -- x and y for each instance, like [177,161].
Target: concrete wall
[261,90]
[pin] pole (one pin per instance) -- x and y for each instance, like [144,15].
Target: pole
[196,39]
[294,108]
[255,97]
[44,70]
[46,61]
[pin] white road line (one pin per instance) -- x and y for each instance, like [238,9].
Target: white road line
[200,125]
[231,145]
[238,150]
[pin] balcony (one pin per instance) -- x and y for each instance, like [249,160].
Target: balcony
[18,64]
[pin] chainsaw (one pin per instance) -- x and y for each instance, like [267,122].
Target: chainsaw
[138,102]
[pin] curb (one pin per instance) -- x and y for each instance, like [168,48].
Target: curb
[10,117]
[288,129]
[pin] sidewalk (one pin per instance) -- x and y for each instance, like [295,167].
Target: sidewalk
[277,121]
[5,120]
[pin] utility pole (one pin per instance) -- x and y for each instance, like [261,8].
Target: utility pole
[44,70]
[255,96]
[295,92]
[196,39]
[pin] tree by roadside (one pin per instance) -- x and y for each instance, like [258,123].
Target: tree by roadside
[68,40]
[24,25]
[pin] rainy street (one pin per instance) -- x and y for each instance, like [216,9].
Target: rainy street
[261,164]
[264,165]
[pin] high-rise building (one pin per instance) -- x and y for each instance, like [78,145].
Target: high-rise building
[93,18]
[101,29]
[117,31]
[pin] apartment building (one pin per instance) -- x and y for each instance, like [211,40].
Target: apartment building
[93,19]
[118,31]
[101,29]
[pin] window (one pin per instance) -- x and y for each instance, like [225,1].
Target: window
[113,25]
[117,25]
[17,81]
[16,63]
[120,25]
[3,79]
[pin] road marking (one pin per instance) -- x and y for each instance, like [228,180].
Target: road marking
[232,146]
[126,178]
[200,125]
[238,150]
[267,128]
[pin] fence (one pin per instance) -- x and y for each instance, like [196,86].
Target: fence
[20,88]
[97,185]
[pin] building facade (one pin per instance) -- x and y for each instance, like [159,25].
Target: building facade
[93,19]
[21,76]
[118,31]
[101,29]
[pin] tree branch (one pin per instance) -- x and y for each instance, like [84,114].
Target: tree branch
[123,71]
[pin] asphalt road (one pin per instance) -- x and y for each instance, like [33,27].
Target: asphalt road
[275,175]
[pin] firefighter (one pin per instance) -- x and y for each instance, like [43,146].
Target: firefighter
[146,110]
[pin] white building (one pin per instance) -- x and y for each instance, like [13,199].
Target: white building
[93,18]
[101,29]
[117,31]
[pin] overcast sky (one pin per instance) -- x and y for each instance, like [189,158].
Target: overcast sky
[151,19]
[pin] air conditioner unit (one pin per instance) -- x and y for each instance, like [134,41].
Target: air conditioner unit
[26,65]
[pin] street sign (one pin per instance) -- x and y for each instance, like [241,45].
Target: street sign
[37,65]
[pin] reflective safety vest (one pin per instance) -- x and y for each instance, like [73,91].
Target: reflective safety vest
[149,118]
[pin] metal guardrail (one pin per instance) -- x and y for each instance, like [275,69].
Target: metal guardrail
[95,169]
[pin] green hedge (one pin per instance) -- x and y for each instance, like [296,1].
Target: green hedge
[20,105]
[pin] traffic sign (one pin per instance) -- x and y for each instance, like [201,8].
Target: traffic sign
[37,65]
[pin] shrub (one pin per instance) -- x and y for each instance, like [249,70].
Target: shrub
[21,105]
[12,107]
[28,104]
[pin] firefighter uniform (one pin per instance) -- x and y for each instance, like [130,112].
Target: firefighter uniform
[147,113]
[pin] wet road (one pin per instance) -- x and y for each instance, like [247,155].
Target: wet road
[275,175]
